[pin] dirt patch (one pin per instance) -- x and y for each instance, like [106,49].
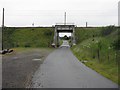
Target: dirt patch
[18,68]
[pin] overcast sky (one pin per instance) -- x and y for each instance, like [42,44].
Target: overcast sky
[49,12]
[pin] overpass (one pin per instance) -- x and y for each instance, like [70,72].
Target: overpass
[70,28]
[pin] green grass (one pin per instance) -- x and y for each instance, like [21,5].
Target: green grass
[87,50]
[27,37]
[85,33]
[22,49]
[107,68]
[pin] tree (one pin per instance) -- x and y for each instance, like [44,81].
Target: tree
[65,37]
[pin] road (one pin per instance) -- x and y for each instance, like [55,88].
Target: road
[19,67]
[0,72]
[61,69]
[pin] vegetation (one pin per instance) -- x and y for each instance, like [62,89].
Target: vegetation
[27,37]
[98,48]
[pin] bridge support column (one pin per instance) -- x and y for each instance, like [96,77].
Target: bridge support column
[55,38]
[57,42]
[73,37]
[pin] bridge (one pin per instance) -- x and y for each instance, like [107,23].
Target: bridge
[70,28]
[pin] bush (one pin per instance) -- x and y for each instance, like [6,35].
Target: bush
[107,30]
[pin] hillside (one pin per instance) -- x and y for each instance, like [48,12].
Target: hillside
[27,37]
[98,49]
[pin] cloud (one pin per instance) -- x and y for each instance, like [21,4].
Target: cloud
[49,12]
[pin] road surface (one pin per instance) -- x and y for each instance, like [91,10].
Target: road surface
[19,66]
[61,69]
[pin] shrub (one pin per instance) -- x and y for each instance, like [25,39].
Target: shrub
[107,30]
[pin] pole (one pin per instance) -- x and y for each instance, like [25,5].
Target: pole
[3,19]
[65,19]
[2,27]
[86,24]
[119,13]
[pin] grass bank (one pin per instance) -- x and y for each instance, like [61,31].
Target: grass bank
[27,37]
[96,49]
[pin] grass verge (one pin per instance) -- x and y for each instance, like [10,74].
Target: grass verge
[87,51]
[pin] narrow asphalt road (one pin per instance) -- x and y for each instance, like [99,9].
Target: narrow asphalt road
[61,69]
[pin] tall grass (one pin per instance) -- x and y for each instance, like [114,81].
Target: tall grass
[96,46]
